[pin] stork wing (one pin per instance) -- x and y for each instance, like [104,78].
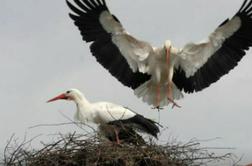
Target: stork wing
[203,64]
[112,46]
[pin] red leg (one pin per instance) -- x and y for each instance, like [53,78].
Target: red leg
[117,137]
[170,96]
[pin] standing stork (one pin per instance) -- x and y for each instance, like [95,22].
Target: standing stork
[159,75]
[108,114]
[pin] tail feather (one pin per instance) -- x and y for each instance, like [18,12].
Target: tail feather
[139,122]
[147,92]
[147,125]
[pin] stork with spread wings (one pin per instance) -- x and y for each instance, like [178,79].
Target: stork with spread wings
[160,75]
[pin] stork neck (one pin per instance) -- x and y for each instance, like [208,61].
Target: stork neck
[84,111]
[82,103]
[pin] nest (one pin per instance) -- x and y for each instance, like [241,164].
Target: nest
[78,150]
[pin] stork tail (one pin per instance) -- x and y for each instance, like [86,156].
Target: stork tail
[147,92]
[146,125]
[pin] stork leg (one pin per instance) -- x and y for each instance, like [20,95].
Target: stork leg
[170,74]
[117,137]
[170,95]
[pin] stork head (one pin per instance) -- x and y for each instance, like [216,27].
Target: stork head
[167,44]
[72,94]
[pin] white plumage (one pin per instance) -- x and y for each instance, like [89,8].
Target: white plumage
[99,113]
[160,73]
[193,56]
[103,113]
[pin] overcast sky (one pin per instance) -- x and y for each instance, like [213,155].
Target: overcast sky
[42,55]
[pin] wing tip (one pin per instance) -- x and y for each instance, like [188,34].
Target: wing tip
[246,7]
[73,8]
[73,17]
[67,2]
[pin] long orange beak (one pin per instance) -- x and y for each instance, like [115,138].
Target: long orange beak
[60,97]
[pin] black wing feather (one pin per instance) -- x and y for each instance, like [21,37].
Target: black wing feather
[224,59]
[81,5]
[86,18]
[141,123]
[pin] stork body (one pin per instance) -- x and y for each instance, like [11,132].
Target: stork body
[159,75]
[105,113]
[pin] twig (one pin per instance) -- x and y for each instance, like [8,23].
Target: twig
[77,124]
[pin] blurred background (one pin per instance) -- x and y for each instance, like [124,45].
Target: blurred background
[42,54]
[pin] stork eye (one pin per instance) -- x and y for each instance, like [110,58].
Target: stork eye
[68,92]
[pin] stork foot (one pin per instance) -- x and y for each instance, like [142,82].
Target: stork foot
[158,108]
[174,104]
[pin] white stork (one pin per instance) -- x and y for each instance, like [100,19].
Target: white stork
[160,73]
[105,113]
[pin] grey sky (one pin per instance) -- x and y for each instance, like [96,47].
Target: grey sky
[42,54]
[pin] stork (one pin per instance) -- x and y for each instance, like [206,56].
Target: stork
[105,113]
[160,75]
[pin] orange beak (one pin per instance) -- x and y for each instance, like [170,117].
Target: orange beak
[60,97]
